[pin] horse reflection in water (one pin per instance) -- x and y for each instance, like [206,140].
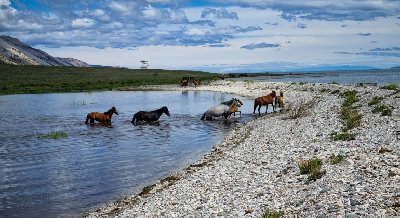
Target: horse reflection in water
[149,116]
[101,117]
[221,110]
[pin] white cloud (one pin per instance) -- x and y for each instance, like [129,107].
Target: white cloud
[83,22]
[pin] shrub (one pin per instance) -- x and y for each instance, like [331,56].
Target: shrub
[311,167]
[375,100]
[345,136]
[272,214]
[299,108]
[336,159]
[391,87]
[383,109]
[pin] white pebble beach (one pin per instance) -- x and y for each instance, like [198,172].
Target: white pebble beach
[255,167]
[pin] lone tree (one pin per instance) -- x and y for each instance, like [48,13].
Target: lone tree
[144,64]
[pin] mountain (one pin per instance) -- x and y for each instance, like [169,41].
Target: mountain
[13,51]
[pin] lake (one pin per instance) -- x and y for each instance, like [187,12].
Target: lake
[94,164]
[381,77]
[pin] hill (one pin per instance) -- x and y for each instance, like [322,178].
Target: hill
[13,51]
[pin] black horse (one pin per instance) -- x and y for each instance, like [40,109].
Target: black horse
[149,115]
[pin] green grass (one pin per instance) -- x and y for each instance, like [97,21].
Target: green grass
[383,109]
[351,117]
[336,159]
[391,87]
[375,100]
[52,135]
[272,214]
[344,136]
[45,79]
[312,167]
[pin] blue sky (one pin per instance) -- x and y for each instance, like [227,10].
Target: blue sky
[211,35]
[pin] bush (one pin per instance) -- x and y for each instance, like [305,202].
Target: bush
[337,159]
[299,108]
[311,167]
[345,136]
[383,109]
[272,214]
[375,100]
[391,87]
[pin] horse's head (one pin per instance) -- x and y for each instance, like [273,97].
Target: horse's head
[165,110]
[239,102]
[114,110]
[273,93]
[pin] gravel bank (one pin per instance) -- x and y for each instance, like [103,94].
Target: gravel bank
[255,168]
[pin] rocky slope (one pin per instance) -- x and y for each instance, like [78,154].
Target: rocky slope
[13,51]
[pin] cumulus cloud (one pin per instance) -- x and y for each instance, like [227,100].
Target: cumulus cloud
[220,14]
[83,22]
[253,46]
[324,10]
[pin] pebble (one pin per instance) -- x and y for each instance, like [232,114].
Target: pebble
[255,167]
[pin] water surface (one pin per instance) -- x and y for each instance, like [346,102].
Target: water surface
[95,164]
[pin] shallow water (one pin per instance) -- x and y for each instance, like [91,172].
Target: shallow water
[95,164]
[380,77]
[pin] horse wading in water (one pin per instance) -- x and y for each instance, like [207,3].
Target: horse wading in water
[101,117]
[149,115]
[220,110]
[265,100]
[234,108]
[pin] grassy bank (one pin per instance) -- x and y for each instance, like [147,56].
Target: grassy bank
[45,79]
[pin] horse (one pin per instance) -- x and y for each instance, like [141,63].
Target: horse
[149,115]
[219,110]
[101,117]
[184,82]
[279,100]
[265,100]
[234,107]
[196,83]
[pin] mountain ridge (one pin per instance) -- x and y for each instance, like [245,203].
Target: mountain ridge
[13,51]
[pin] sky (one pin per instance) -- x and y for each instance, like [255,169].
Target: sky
[212,35]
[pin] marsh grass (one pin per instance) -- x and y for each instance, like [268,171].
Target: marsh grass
[52,135]
[312,167]
[268,213]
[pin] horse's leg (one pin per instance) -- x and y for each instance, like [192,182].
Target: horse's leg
[91,120]
[259,108]
[204,115]
[87,119]
[266,109]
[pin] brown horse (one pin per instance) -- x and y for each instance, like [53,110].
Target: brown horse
[184,82]
[279,100]
[101,117]
[265,100]
[196,83]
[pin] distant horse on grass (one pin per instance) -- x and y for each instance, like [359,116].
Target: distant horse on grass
[196,83]
[149,115]
[184,82]
[265,100]
[219,110]
[101,117]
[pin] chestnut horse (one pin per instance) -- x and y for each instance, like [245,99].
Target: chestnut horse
[279,100]
[184,82]
[149,115]
[101,117]
[234,107]
[196,83]
[265,100]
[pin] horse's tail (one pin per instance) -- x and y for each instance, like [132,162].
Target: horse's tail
[255,106]
[204,115]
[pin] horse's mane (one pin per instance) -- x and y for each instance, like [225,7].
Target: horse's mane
[108,112]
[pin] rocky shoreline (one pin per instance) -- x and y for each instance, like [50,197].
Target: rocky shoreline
[255,168]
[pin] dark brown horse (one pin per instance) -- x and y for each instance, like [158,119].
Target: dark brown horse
[279,100]
[196,83]
[265,100]
[101,117]
[184,82]
[149,115]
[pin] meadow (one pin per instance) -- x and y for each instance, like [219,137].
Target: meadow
[26,79]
